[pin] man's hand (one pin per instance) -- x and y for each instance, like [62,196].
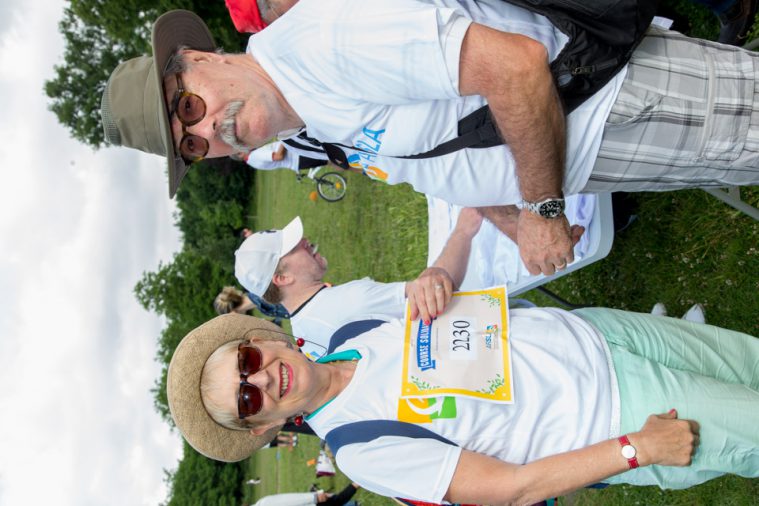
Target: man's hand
[546,245]
[666,441]
[429,293]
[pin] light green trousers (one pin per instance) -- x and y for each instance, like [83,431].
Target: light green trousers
[707,373]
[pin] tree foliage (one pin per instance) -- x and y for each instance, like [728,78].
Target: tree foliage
[213,202]
[211,208]
[199,481]
[100,34]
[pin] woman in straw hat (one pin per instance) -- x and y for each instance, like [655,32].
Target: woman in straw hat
[585,385]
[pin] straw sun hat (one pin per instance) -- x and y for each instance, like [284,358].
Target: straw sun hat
[183,387]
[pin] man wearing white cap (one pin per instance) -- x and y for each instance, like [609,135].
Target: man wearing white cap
[283,266]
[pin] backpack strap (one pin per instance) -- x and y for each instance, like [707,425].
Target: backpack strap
[369,430]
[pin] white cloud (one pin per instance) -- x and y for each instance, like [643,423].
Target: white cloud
[76,350]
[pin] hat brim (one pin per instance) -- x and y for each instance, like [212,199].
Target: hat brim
[183,387]
[170,31]
[291,236]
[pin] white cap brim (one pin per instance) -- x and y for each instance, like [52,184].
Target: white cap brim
[291,236]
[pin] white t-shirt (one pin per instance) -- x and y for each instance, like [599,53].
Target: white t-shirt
[565,397]
[261,158]
[335,306]
[383,76]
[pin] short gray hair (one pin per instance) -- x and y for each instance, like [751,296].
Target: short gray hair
[176,63]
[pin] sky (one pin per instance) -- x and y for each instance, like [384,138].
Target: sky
[77,230]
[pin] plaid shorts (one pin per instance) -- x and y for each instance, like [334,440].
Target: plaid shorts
[686,116]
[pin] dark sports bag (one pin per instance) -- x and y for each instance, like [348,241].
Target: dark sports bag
[602,36]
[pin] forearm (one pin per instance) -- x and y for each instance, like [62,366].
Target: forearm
[483,480]
[455,255]
[505,219]
[512,73]
[664,440]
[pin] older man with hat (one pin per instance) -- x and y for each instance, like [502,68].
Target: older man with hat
[382,83]
[284,267]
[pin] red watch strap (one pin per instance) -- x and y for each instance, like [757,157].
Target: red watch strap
[632,462]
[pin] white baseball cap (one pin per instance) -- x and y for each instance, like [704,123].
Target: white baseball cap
[257,257]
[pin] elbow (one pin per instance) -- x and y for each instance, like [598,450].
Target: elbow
[533,60]
[525,491]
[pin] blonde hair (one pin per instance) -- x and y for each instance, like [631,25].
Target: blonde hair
[210,383]
[229,299]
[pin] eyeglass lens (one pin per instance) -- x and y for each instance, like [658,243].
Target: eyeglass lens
[250,398]
[190,110]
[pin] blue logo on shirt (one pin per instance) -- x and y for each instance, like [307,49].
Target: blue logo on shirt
[423,356]
[370,144]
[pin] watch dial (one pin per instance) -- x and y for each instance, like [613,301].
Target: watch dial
[551,209]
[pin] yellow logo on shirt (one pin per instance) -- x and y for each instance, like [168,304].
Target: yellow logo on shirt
[415,410]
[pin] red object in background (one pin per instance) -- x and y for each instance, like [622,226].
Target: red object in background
[245,15]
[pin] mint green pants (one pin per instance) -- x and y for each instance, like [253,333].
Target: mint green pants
[707,373]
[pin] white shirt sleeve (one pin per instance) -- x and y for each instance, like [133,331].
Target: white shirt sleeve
[396,466]
[387,52]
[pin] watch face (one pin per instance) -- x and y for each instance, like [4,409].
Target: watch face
[551,209]
[628,451]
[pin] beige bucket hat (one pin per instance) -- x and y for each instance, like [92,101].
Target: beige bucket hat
[133,108]
[183,387]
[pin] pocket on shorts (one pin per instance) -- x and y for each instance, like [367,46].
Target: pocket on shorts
[633,104]
[727,116]
[707,89]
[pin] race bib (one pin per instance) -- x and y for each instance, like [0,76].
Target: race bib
[464,352]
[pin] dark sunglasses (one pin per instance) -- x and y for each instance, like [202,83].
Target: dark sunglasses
[250,399]
[190,110]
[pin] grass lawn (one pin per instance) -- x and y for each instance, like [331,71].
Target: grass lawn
[685,247]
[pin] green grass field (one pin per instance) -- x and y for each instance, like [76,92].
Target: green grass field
[685,247]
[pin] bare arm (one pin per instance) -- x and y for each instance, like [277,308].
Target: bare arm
[455,255]
[512,73]
[431,292]
[480,479]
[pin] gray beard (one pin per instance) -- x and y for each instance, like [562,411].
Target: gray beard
[227,128]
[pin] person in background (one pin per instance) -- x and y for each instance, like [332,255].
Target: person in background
[283,267]
[318,497]
[230,299]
